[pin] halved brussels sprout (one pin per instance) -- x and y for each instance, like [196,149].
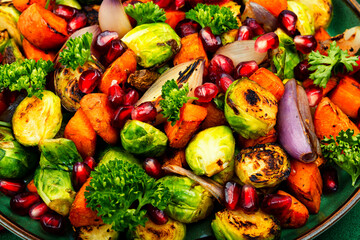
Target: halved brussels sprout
[264,165]
[190,202]
[143,139]
[305,22]
[117,153]
[37,119]
[225,175]
[238,225]
[11,52]
[211,151]
[250,109]
[322,10]
[100,232]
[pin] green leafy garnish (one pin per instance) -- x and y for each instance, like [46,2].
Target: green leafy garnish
[324,66]
[117,186]
[220,20]
[146,13]
[173,99]
[27,74]
[344,151]
[77,51]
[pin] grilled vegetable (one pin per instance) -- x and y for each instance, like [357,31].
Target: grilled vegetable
[322,10]
[305,20]
[117,153]
[142,79]
[96,233]
[9,17]
[11,52]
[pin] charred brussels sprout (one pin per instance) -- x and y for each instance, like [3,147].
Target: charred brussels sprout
[96,233]
[305,21]
[211,151]
[117,153]
[37,119]
[143,139]
[250,109]
[190,202]
[322,10]
[153,43]
[262,166]
[238,225]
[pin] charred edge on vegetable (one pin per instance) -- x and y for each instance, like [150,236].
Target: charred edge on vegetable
[184,76]
[251,97]
[55,31]
[232,105]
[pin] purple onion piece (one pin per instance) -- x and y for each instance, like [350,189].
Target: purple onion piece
[263,16]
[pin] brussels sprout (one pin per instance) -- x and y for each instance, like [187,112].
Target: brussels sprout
[37,119]
[229,37]
[143,139]
[153,43]
[264,165]
[322,10]
[70,3]
[9,17]
[305,21]
[250,109]
[96,233]
[11,52]
[117,153]
[172,230]
[15,160]
[190,202]
[142,79]
[225,175]
[238,225]
[211,151]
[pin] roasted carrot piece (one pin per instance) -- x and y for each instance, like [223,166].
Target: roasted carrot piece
[215,117]
[174,17]
[80,215]
[119,70]
[175,157]
[32,52]
[305,183]
[191,117]
[270,137]
[333,81]
[81,132]
[22,5]
[321,35]
[274,6]
[269,81]
[31,186]
[330,120]
[99,113]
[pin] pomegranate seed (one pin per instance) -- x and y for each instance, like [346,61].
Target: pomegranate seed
[210,42]
[206,92]
[103,40]
[179,4]
[301,71]
[314,94]
[22,202]
[355,68]
[224,82]
[89,80]
[249,200]
[244,33]
[153,168]
[116,95]
[276,203]
[162,3]
[305,44]
[245,69]
[232,191]
[77,22]
[187,27]
[156,215]
[220,64]
[116,50]
[266,42]
[145,112]
[80,174]
[1,58]
[255,27]
[65,12]
[131,97]
[287,20]
[330,179]
[121,116]
[37,210]
[53,223]
[11,187]
[90,161]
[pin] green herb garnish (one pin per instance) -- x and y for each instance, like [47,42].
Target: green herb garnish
[146,13]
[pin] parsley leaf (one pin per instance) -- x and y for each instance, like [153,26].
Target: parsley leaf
[220,20]
[77,51]
[116,186]
[344,151]
[324,66]
[146,13]
[27,74]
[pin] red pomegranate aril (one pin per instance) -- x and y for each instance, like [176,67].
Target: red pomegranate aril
[90,161]
[210,42]
[301,71]
[37,210]
[224,82]
[77,22]
[305,44]
[232,192]
[276,204]
[22,202]
[220,64]
[103,40]
[244,33]
[179,4]
[89,80]
[153,168]
[256,28]
[245,69]
[162,3]
[249,200]
[11,187]
[206,92]
[53,223]
[80,174]
[145,112]
[287,20]
[156,215]
[355,68]
[121,116]
[116,95]
[65,12]
[330,179]
[131,97]
[187,27]
[266,42]
[116,50]
[314,94]
[1,58]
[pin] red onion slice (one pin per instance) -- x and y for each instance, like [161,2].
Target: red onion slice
[263,16]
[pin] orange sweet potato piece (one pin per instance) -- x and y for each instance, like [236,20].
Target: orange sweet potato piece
[269,81]
[175,157]
[32,52]
[321,35]
[333,81]
[22,5]
[119,70]
[81,132]
[31,186]
[273,6]
[270,137]
[215,117]
[80,215]
[191,117]
[305,183]
[99,113]
[174,17]
[296,216]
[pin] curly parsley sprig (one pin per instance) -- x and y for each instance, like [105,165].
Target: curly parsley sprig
[146,13]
